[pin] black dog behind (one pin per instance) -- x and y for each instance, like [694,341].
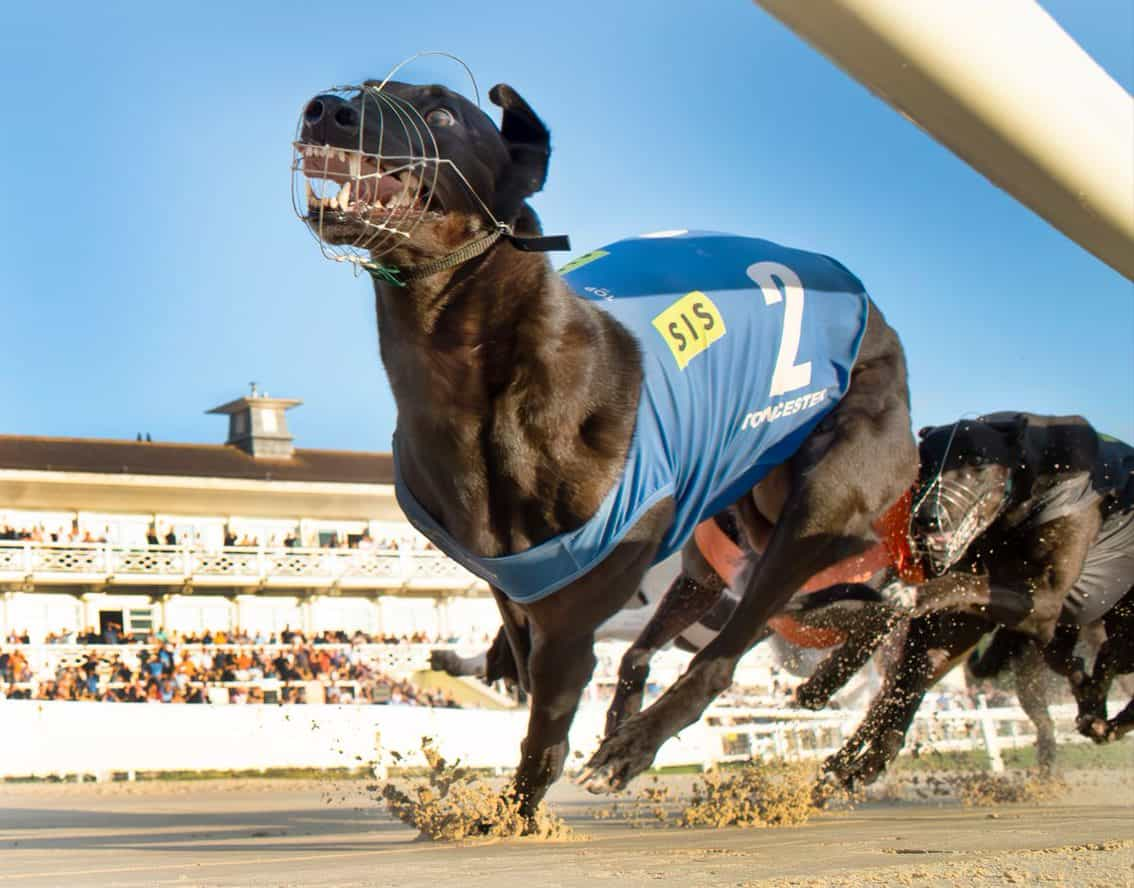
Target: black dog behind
[517,404]
[1028,522]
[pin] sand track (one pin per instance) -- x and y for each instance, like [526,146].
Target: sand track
[312,832]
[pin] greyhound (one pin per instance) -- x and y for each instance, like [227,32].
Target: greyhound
[550,429]
[1026,522]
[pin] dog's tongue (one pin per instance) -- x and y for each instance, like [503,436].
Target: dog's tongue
[388,187]
[377,190]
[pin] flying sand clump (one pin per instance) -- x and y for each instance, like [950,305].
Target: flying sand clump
[980,789]
[762,793]
[450,804]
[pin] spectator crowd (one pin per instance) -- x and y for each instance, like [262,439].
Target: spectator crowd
[168,536]
[216,667]
[114,634]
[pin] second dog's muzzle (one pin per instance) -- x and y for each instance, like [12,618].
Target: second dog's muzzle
[947,517]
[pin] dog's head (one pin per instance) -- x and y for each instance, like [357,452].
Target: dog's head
[381,166]
[964,482]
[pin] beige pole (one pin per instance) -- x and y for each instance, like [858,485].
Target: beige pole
[1007,90]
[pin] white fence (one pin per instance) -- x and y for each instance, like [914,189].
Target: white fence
[100,739]
[746,733]
[28,562]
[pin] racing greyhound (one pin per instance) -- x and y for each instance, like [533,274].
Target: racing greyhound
[1025,521]
[557,435]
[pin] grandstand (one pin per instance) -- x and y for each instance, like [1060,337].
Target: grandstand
[108,540]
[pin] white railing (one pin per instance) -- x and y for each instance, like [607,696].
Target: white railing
[40,736]
[745,733]
[27,562]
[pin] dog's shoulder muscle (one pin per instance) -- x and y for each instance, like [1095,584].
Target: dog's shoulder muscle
[515,412]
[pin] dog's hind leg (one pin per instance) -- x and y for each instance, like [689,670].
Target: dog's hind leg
[694,592]
[858,461]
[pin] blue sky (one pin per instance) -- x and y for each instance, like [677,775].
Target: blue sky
[150,264]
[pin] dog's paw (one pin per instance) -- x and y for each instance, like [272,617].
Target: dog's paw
[442,660]
[865,767]
[807,697]
[619,759]
[1098,729]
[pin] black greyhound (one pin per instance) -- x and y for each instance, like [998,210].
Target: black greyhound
[519,399]
[1028,523]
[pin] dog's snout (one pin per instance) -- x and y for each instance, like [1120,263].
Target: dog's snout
[330,120]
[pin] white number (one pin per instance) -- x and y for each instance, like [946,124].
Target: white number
[788,375]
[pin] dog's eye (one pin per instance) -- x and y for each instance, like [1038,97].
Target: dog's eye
[440,117]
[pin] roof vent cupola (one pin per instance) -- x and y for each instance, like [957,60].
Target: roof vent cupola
[257,424]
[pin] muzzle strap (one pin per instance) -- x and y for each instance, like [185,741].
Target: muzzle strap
[554,243]
[397,277]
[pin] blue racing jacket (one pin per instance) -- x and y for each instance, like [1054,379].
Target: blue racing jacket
[746,345]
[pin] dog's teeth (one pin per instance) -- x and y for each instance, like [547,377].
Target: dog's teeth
[403,198]
[355,165]
[344,196]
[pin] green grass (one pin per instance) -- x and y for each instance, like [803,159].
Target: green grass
[1075,756]
[1069,756]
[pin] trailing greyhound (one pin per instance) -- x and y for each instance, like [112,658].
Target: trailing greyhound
[1025,522]
[558,434]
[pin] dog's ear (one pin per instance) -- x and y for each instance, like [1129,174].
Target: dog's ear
[529,146]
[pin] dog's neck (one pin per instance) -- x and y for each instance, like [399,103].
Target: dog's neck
[516,399]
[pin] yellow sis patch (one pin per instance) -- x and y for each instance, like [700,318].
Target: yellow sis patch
[690,326]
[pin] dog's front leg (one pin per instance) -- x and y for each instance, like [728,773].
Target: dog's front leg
[559,669]
[560,659]
[1030,673]
[864,634]
[933,644]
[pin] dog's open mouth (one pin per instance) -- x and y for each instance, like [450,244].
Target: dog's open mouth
[355,185]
